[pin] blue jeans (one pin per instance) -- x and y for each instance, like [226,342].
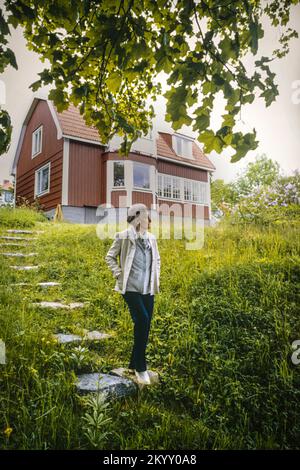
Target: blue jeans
[141,309]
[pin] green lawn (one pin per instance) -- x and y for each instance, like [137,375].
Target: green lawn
[221,338]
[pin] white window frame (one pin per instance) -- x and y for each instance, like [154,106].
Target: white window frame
[199,190]
[113,174]
[37,131]
[140,187]
[188,183]
[36,194]
[183,146]
[178,182]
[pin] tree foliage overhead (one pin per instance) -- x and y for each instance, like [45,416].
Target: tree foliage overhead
[106,55]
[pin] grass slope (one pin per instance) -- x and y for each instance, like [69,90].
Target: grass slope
[221,339]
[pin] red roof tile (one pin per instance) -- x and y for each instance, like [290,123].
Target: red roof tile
[164,148]
[73,124]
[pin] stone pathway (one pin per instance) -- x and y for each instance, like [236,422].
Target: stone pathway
[24,268]
[19,255]
[112,386]
[63,338]
[18,245]
[24,231]
[42,284]
[119,382]
[17,238]
[55,305]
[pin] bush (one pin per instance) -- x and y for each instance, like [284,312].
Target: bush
[20,217]
[264,205]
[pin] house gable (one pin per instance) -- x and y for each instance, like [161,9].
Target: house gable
[26,164]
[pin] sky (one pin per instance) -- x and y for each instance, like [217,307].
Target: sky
[277,126]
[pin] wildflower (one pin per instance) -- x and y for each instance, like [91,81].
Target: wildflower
[8,432]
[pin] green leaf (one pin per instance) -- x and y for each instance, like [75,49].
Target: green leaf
[201,122]
[114,82]
[211,141]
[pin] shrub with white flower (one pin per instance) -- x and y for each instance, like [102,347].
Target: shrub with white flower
[280,200]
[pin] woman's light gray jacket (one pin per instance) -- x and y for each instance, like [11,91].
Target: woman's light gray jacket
[124,246]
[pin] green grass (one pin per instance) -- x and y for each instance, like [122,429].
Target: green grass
[221,338]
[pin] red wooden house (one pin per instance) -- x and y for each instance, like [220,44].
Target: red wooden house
[60,160]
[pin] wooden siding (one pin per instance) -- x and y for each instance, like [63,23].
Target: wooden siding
[115,195]
[164,210]
[52,150]
[143,198]
[85,174]
[182,171]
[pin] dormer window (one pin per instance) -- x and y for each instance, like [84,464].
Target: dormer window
[37,141]
[182,146]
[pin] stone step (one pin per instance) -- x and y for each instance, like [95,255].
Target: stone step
[24,231]
[42,284]
[5,237]
[19,245]
[19,255]
[45,304]
[123,372]
[24,268]
[113,387]
[63,338]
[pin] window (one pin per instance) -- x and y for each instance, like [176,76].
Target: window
[8,196]
[187,190]
[159,185]
[42,180]
[167,186]
[203,190]
[37,141]
[119,179]
[141,175]
[182,146]
[176,188]
[195,191]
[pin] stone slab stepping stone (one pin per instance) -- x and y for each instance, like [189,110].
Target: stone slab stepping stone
[123,372]
[18,238]
[42,284]
[95,335]
[67,338]
[19,245]
[48,284]
[24,231]
[24,268]
[19,255]
[70,306]
[89,336]
[112,386]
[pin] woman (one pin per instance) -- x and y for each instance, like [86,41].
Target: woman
[137,280]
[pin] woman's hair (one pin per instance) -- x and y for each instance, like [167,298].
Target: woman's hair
[130,218]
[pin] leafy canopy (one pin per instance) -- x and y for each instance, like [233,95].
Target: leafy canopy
[105,57]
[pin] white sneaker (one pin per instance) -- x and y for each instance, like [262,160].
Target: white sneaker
[143,377]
